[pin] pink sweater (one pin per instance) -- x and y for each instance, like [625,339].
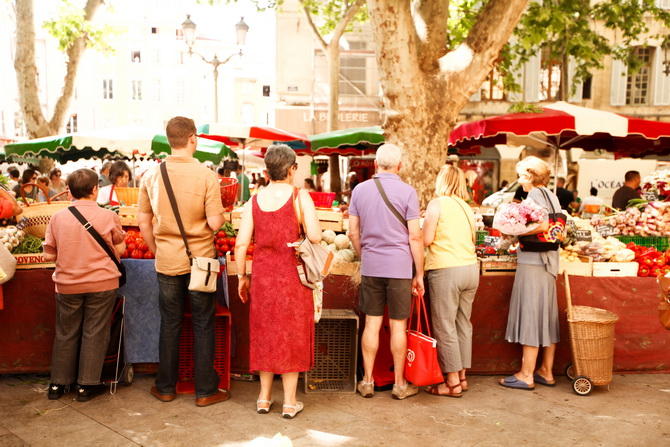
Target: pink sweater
[82,266]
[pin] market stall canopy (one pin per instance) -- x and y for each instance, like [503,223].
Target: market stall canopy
[207,150]
[116,141]
[354,141]
[250,157]
[565,126]
[244,135]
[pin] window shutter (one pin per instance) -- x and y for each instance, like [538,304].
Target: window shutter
[577,95]
[531,79]
[618,85]
[661,82]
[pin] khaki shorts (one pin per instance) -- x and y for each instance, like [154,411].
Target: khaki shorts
[378,292]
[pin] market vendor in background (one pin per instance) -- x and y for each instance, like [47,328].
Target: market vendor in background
[243,191]
[29,176]
[592,203]
[103,177]
[119,175]
[86,280]
[565,197]
[628,191]
[43,182]
[57,182]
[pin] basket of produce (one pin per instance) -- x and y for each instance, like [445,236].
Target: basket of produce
[127,196]
[592,343]
[38,215]
[228,192]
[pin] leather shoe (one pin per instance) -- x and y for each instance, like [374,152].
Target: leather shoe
[88,392]
[215,398]
[57,391]
[160,396]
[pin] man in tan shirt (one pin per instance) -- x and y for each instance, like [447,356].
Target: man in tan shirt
[198,198]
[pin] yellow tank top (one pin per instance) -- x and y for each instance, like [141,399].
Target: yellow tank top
[453,245]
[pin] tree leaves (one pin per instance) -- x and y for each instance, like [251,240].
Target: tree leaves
[70,24]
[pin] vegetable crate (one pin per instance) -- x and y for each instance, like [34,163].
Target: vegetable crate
[480,236]
[330,220]
[615,268]
[186,383]
[582,267]
[32,261]
[498,268]
[592,344]
[335,353]
[660,243]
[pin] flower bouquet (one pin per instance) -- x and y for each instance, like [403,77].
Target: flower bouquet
[516,219]
[658,184]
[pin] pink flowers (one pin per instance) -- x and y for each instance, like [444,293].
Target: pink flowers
[518,218]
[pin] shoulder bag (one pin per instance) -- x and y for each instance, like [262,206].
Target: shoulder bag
[203,270]
[314,260]
[88,227]
[421,365]
[550,239]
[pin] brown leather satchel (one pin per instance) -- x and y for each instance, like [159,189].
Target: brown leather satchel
[664,304]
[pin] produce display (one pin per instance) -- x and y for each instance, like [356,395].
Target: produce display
[600,249]
[136,248]
[225,239]
[11,237]
[339,244]
[652,261]
[641,219]
[30,244]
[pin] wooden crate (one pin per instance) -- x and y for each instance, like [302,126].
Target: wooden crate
[345,268]
[231,266]
[615,268]
[128,216]
[32,261]
[498,268]
[582,267]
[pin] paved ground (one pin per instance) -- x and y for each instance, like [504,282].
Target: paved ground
[634,412]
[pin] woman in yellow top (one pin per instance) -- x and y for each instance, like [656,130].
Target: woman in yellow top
[453,277]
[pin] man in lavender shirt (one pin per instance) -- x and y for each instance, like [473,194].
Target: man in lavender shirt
[388,248]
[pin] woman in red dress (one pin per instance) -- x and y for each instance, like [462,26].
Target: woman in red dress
[281,313]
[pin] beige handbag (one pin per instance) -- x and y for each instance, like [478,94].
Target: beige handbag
[7,264]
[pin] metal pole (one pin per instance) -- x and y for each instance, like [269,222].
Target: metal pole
[216,93]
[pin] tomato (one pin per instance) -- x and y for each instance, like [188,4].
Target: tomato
[142,246]
[136,254]
[251,249]
[221,235]
[219,243]
[149,255]
[125,254]
[129,239]
[132,246]
[220,254]
[225,248]
[250,257]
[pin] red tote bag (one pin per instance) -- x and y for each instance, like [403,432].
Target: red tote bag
[422,367]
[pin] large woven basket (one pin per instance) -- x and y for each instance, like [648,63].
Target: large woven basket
[128,196]
[592,341]
[38,214]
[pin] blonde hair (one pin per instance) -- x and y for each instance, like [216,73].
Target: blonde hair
[451,182]
[534,171]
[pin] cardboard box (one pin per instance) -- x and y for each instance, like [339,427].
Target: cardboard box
[231,266]
[498,268]
[582,267]
[345,268]
[32,261]
[615,268]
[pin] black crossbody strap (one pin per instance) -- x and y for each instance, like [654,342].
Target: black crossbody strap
[173,202]
[388,203]
[88,227]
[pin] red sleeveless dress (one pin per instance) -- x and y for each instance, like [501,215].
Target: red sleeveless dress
[281,313]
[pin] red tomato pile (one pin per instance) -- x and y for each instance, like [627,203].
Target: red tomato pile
[225,244]
[136,248]
[652,262]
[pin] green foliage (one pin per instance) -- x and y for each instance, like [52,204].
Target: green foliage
[330,14]
[524,107]
[70,24]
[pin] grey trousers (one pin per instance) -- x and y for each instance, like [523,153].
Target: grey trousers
[452,291]
[82,333]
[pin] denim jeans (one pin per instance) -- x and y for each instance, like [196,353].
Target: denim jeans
[172,291]
[82,334]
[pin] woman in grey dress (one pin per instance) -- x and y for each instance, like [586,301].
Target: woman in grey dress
[533,312]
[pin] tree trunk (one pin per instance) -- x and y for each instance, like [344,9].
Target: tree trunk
[424,88]
[37,125]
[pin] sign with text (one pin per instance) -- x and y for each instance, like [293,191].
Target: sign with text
[583,235]
[605,230]
[608,175]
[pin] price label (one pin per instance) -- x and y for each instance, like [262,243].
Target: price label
[491,241]
[650,196]
[583,235]
[605,230]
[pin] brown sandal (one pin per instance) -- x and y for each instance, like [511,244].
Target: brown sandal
[433,389]
[465,387]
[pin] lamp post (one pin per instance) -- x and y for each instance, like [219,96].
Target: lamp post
[188,28]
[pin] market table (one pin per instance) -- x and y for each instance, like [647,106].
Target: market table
[642,345]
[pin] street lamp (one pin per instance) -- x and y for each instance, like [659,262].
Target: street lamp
[188,29]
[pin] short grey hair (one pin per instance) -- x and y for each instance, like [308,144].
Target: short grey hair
[278,160]
[388,156]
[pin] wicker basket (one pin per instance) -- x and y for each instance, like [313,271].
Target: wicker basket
[591,340]
[128,196]
[38,214]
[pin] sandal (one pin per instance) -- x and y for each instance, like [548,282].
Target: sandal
[434,390]
[297,408]
[264,410]
[465,387]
